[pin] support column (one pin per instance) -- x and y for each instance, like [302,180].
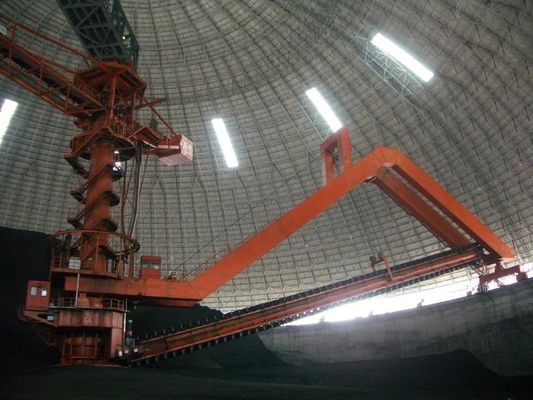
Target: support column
[98,205]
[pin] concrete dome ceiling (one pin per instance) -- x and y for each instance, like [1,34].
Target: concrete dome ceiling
[250,63]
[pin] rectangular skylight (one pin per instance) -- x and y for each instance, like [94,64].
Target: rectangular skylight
[324,109]
[225,142]
[6,112]
[407,60]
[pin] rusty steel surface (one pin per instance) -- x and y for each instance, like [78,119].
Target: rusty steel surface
[336,153]
[37,295]
[499,272]
[145,289]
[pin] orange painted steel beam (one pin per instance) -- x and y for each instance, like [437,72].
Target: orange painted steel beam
[445,202]
[337,187]
[415,206]
[151,290]
[269,237]
[279,312]
[336,153]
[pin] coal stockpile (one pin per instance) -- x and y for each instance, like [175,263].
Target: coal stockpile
[154,321]
[453,376]
[24,255]
[241,369]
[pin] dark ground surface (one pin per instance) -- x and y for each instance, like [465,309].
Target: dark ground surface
[454,376]
[243,369]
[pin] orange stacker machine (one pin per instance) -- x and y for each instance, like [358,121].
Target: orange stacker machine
[81,308]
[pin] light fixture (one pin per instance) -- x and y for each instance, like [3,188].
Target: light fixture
[6,112]
[324,109]
[225,142]
[407,60]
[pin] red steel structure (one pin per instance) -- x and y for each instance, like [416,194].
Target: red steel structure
[81,308]
[103,97]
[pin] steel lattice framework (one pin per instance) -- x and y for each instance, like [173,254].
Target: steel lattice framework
[250,63]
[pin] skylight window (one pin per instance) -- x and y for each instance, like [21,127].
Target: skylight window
[6,112]
[225,142]
[407,60]
[324,109]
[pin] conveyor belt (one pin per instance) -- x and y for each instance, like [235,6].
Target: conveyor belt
[268,315]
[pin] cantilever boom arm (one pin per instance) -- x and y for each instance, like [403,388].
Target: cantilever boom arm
[270,236]
[423,212]
[364,169]
[375,167]
[446,203]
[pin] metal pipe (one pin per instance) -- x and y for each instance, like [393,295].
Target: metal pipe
[77,289]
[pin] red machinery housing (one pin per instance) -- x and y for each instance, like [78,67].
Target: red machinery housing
[82,307]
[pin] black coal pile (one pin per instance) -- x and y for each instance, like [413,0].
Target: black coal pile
[155,321]
[24,255]
[243,369]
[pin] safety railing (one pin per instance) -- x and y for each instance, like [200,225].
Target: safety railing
[100,303]
[189,275]
[67,251]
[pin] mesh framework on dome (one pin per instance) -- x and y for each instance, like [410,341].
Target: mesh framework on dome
[470,130]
